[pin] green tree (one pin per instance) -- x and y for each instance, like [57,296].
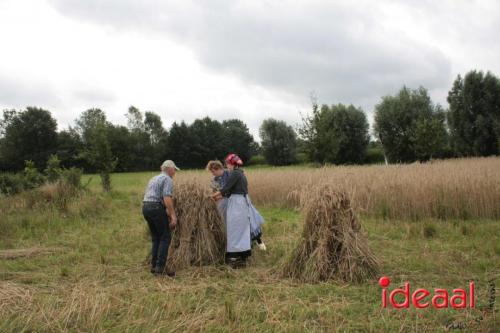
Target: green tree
[238,139]
[158,137]
[7,116]
[336,134]
[69,148]
[154,127]
[208,140]
[279,142]
[142,149]
[123,148]
[93,127]
[134,119]
[27,135]
[474,114]
[430,136]
[409,126]
[181,142]
[88,121]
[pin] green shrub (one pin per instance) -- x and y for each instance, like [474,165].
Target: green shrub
[301,158]
[11,183]
[257,160]
[68,181]
[316,165]
[374,156]
[32,178]
[53,170]
[72,177]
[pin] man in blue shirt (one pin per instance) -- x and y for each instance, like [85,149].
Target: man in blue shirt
[159,212]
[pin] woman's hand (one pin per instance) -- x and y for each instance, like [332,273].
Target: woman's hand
[216,196]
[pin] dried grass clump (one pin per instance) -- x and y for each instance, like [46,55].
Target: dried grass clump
[332,244]
[26,252]
[88,305]
[200,236]
[14,297]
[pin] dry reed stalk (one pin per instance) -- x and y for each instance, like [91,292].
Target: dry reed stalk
[199,238]
[332,245]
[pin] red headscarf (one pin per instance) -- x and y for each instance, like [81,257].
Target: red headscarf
[233,159]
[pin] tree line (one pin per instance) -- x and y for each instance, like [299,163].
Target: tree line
[407,127]
[93,143]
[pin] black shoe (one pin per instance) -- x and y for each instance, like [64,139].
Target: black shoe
[236,263]
[163,271]
[153,270]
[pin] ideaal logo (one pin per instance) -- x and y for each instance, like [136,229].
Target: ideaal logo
[422,298]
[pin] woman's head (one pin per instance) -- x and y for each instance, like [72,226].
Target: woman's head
[233,161]
[215,167]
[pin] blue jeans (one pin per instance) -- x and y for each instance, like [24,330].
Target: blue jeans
[156,216]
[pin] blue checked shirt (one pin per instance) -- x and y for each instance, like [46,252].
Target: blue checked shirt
[159,186]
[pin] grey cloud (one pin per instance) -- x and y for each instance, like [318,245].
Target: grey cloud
[94,96]
[342,52]
[18,93]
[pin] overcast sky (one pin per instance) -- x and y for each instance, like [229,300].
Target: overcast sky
[235,59]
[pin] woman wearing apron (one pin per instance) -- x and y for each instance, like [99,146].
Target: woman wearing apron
[238,213]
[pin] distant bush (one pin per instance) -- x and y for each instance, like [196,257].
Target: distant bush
[301,158]
[53,170]
[57,194]
[72,177]
[257,160]
[11,183]
[374,156]
[32,177]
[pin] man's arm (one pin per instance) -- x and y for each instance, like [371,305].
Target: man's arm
[168,190]
[169,203]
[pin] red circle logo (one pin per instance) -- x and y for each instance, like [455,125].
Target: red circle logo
[384,281]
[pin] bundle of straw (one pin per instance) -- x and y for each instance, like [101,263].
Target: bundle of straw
[199,238]
[332,245]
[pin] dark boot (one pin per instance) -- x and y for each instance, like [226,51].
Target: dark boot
[162,270]
[236,263]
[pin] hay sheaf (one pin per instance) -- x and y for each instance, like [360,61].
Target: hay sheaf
[332,245]
[199,238]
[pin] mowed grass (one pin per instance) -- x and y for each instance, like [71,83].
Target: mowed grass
[84,270]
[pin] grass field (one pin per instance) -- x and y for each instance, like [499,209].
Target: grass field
[83,268]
